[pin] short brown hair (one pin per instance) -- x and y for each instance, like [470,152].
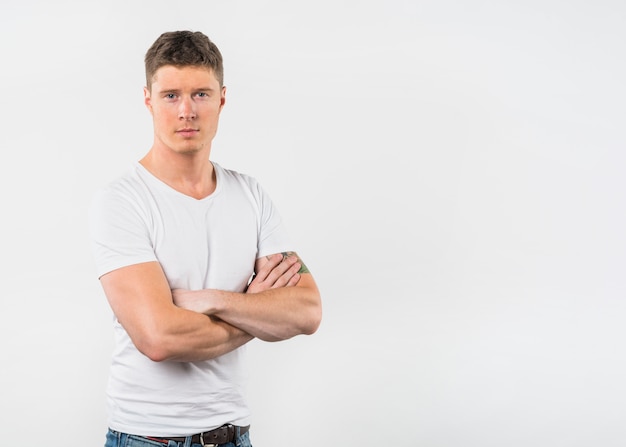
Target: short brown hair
[181,49]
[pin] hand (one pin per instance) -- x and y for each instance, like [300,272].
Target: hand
[275,271]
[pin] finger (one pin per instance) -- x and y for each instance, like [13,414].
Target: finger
[295,279]
[275,277]
[286,277]
[269,271]
[267,267]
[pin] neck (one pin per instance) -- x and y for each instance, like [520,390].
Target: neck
[189,173]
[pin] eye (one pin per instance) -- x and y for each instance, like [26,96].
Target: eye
[202,94]
[170,96]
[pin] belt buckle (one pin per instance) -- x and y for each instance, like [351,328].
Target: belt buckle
[202,441]
[230,434]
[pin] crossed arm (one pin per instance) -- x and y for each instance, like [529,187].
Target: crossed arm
[183,325]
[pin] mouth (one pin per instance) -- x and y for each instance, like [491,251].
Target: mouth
[187,132]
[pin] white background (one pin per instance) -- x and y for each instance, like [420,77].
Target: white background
[452,172]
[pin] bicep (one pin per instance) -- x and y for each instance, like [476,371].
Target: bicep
[139,295]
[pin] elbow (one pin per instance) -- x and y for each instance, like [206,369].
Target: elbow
[154,348]
[307,325]
[315,317]
[312,329]
[156,354]
[305,321]
[313,322]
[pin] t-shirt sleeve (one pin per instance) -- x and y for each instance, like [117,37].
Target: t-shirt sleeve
[119,231]
[273,235]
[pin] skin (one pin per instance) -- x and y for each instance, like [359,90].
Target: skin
[282,300]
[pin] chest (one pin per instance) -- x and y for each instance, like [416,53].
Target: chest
[206,245]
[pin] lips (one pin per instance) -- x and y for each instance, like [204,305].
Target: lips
[187,132]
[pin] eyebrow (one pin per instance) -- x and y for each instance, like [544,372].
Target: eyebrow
[175,90]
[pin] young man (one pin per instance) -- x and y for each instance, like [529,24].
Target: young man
[195,262]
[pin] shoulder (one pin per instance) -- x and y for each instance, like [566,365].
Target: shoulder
[231,180]
[125,195]
[125,186]
[233,175]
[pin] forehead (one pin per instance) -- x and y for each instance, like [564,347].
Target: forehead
[172,76]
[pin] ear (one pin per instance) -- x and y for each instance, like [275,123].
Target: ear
[147,99]
[222,98]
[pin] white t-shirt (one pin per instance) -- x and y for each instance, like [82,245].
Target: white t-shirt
[207,243]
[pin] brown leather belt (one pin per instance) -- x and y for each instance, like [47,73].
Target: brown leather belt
[221,435]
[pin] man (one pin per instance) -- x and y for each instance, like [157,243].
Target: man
[195,262]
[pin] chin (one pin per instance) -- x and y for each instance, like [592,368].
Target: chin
[190,149]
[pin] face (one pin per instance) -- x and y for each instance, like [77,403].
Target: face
[185,103]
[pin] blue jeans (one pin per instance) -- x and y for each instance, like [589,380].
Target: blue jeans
[117,439]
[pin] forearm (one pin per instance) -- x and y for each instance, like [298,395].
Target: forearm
[187,336]
[201,337]
[270,315]
[141,299]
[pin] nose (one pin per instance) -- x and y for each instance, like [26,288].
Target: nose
[187,109]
